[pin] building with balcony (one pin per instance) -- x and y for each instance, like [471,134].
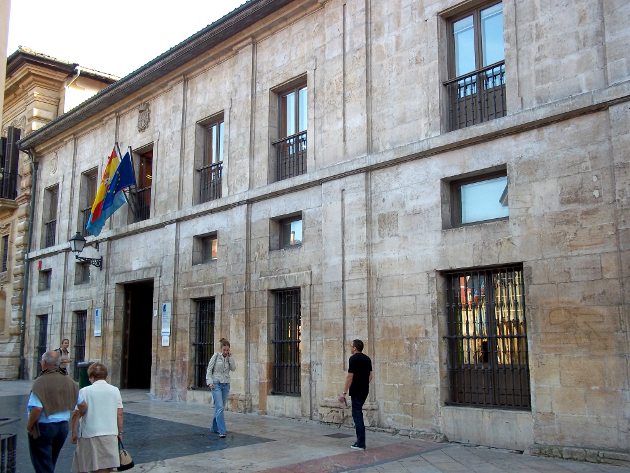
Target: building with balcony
[445,180]
[38,88]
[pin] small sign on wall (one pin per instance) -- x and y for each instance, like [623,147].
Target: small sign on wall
[97,322]
[166,319]
[166,340]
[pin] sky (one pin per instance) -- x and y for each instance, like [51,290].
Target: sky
[115,36]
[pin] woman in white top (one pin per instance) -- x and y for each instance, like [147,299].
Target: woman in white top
[101,425]
[218,379]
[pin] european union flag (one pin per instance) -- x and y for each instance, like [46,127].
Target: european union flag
[123,178]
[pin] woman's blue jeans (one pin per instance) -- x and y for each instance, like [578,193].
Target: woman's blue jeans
[219,394]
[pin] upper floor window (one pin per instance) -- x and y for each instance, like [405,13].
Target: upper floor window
[479,198]
[5,252]
[476,88]
[51,196]
[145,178]
[89,187]
[45,277]
[291,146]
[291,231]
[205,248]
[211,169]
[9,159]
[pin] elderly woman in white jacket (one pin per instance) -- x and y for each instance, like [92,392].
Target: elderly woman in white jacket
[101,424]
[218,379]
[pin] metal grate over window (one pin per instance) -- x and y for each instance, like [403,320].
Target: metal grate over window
[487,338]
[79,340]
[42,338]
[204,340]
[287,342]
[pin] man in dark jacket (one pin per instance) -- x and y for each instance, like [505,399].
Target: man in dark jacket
[358,386]
[52,400]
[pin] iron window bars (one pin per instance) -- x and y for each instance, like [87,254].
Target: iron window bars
[79,340]
[287,342]
[210,182]
[487,338]
[204,340]
[43,336]
[290,156]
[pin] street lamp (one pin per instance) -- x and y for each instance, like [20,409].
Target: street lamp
[77,242]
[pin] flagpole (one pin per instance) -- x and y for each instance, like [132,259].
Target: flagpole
[132,202]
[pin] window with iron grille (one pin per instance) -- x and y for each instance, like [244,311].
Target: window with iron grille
[5,252]
[287,333]
[487,338]
[476,88]
[80,329]
[204,340]
[291,145]
[211,170]
[88,195]
[42,337]
[45,276]
[51,196]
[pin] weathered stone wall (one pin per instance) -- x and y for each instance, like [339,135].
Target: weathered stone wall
[375,211]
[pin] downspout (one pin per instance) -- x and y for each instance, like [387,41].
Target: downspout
[27,264]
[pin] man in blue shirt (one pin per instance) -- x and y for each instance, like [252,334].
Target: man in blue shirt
[52,400]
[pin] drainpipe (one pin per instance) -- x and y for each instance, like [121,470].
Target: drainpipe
[34,165]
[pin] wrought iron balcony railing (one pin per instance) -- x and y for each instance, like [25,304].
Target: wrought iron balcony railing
[85,218]
[210,182]
[290,156]
[477,97]
[144,204]
[8,183]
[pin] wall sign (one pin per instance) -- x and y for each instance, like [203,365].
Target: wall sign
[166,319]
[97,322]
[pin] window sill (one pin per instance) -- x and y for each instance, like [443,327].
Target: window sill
[480,222]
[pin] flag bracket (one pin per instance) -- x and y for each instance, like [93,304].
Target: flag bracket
[77,243]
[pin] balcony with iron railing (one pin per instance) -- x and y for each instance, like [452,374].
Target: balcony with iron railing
[50,229]
[210,182]
[290,156]
[85,219]
[143,201]
[477,97]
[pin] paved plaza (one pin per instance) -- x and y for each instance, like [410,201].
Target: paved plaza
[170,437]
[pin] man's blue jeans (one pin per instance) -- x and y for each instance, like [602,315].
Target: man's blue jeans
[357,416]
[45,448]
[219,394]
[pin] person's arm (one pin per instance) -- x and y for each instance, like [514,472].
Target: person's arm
[32,418]
[342,398]
[209,380]
[120,423]
[232,362]
[371,375]
[74,421]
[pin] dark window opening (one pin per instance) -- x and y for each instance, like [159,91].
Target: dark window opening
[487,338]
[204,340]
[287,342]
[5,252]
[80,330]
[144,185]
[42,339]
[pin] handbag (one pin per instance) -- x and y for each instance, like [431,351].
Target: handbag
[125,459]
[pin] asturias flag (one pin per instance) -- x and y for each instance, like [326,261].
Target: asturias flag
[117,176]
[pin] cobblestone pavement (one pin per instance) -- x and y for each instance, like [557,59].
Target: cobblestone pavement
[175,438]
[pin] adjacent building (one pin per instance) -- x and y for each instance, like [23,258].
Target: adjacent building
[446,180]
[38,88]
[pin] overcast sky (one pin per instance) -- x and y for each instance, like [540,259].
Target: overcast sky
[115,36]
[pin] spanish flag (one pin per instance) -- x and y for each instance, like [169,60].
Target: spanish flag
[117,176]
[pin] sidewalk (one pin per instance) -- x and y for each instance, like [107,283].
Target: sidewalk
[175,438]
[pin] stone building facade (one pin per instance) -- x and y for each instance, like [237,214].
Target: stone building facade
[446,180]
[38,88]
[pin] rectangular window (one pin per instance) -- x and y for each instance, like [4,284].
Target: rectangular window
[291,232]
[204,340]
[291,145]
[89,183]
[476,88]
[51,196]
[287,342]
[487,338]
[5,252]
[42,339]
[145,178]
[45,277]
[479,199]
[209,248]
[212,166]
[80,330]
[82,274]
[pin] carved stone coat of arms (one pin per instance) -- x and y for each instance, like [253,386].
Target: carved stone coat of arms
[144,116]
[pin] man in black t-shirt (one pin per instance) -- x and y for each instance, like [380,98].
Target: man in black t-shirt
[358,384]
